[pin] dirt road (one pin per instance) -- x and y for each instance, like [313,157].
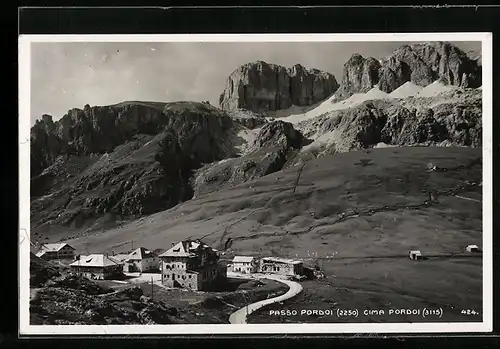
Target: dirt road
[240,316]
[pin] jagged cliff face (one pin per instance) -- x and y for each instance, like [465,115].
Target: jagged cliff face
[359,74]
[262,87]
[453,119]
[421,64]
[275,144]
[123,160]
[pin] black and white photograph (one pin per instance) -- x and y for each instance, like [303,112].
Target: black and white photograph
[255,183]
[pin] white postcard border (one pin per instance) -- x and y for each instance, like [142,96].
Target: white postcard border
[193,329]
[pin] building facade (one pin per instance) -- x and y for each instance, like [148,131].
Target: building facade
[192,265]
[56,251]
[141,260]
[416,255]
[97,267]
[244,264]
[281,266]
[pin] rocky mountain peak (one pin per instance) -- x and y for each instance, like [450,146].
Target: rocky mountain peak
[278,134]
[46,118]
[421,63]
[261,87]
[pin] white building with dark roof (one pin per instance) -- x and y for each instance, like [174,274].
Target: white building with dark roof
[193,265]
[141,260]
[56,251]
[244,264]
[97,266]
[281,266]
[472,248]
[416,255]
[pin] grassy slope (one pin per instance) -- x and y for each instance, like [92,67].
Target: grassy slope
[265,217]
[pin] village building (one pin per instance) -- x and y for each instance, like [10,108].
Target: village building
[416,255]
[193,265]
[281,266]
[97,267]
[244,264]
[121,257]
[56,251]
[472,248]
[141,260]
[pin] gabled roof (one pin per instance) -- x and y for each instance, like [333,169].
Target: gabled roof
[417,252]
[178,250]
[140,254]
[243,259]
[472,246]
[54,247]
[96,260]
[186,248]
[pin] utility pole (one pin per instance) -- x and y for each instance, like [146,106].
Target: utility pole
[152,290]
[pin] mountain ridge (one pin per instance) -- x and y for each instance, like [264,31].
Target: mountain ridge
[421,63]
[100,165]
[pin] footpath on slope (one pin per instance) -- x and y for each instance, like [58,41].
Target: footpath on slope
[240,316]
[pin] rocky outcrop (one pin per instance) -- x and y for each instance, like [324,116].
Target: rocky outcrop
[41,271]
[278,134]
[359,75]
[71,300]
[275,144]
[262,87]
[455,121]
[125,160]
[421,64]
[98,130]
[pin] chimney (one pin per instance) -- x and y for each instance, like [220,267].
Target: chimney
[113,253]
[173,243]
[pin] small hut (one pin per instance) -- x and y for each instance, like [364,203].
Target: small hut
[472,248]
[415,255]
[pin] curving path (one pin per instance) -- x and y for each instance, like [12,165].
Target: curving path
[240,316]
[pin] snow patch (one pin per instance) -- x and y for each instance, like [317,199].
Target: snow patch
[408,89]
[375,93]
[223,161]
[248,137]
[325,139]
[328,105]
[434,89]
[322,108]
[383,145]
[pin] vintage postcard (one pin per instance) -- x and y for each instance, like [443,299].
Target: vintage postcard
[213,184]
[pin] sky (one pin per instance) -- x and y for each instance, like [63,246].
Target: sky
[70,75]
